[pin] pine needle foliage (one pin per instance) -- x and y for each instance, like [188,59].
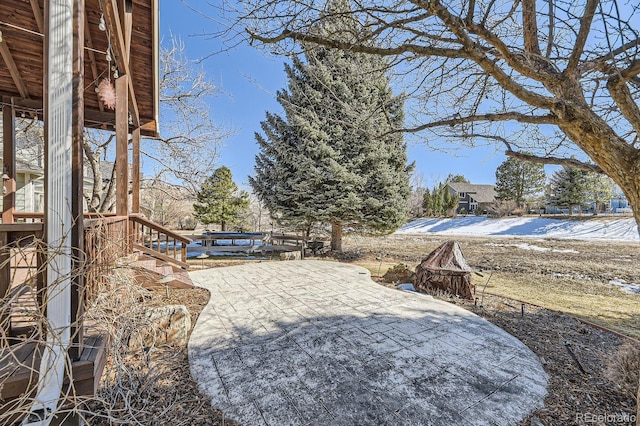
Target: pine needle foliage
[332,157]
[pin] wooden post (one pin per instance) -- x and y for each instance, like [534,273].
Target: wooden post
[127,26]
[77,180]
[135,172]
[5,279]
[8,164]
[122,146]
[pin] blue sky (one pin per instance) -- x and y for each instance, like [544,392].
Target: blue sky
[250,80]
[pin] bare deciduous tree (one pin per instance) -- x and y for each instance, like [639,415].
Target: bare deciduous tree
[187,151]
[166,204]
[557,79]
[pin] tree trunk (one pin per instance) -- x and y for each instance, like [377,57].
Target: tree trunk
[223,226]
[336,236]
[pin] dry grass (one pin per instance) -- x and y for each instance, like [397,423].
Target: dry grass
[152,385]
[590,370]
[570,276]
[624,369]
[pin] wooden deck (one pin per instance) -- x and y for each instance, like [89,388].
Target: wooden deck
[20,362]
[21,352]
[22,315]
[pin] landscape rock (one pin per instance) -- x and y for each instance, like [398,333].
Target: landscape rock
[400,273]
[290,255]
[164,325]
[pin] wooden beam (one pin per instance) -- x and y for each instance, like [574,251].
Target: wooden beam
[92,55]
[122,146]
[8,163]
[135,172]
[77,181]
[92,118]
[37,13]
[13,69]
[112,20]
[127,25]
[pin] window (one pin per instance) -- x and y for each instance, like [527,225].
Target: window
[462,194]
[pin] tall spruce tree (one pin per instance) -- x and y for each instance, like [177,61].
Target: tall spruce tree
[219,200]
[567,188]
[519,180]
[331,157]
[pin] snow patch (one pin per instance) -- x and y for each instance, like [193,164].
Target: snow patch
[631,288]
[610,229]
[525,246]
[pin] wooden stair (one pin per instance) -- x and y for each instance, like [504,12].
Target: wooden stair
[151,272]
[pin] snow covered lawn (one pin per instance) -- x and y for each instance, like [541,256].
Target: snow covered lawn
[610,229]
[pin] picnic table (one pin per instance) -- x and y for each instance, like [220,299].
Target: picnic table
[211,239]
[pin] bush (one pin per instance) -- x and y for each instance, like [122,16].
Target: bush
[502,208]
[399,273]
[623,369]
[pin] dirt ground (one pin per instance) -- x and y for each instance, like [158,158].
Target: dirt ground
[592,372]
[154,386]
[564,275]
[584,260]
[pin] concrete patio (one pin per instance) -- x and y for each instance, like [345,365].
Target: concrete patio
[313,342]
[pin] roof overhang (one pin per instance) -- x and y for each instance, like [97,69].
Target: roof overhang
[131,29]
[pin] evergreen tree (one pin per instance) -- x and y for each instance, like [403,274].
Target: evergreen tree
[519,180]
[436,200]
[219,200]
[449,202]
[599,189]
[456,178]
[567,188]
[331,157]
[426,203]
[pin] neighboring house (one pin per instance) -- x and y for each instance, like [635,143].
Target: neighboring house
[29,187]
[472,197]
[30,182]
[619,204]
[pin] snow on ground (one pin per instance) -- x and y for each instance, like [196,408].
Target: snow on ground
[630,288]
[533,247]
[611,229]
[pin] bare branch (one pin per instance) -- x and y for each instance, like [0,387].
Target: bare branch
[558,161]
[357,47]
[456,25]
[530,27]
[623,97]
[550,40]
[583,34]
[507,116]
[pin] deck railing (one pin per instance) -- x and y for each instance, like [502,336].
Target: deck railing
[21,262]
[28,217]
[158,241]
[105,241]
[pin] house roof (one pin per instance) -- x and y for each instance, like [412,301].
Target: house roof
[22,24]
[24,166]
[480,193]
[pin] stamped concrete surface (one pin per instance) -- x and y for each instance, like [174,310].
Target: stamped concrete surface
[312,342]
